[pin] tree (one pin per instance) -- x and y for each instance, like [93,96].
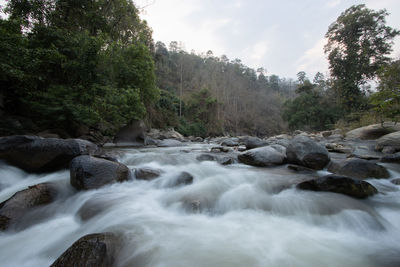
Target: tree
[358,45]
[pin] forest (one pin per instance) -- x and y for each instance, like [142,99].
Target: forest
[71,64]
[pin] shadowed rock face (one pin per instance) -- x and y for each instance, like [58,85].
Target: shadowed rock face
[374,131]
[362,169]
[306,152]
[36,154]
[88,172]
[340,184]
[389,140]
[94,250]
[24,201]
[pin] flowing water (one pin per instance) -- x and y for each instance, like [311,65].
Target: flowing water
[233,215]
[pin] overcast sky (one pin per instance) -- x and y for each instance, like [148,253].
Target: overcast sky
[284,36]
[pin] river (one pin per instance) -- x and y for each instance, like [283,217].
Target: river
[233,215]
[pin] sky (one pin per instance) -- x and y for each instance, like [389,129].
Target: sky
[284,37]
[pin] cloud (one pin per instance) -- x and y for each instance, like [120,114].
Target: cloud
[333,3]
[313,59]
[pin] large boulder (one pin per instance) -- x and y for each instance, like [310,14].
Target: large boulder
[340,184]
[230,142]
[87,172]
[372,132]
[133,134]
[24,201]
[262,157]
[165,134]
[253,142]
[361,169]
[94,250]
[389,140]
[36,154]
[146,173]
[305,152]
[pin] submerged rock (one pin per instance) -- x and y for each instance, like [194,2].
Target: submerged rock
[262,157]
[36,154]
[87,172]
[24,201]
[361,169]
[94,250]
[340,184]
[306,152]
[184,178]
[146,174]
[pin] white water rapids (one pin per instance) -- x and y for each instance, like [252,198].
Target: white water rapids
[244,216]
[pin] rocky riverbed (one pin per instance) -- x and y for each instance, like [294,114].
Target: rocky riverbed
[301,200]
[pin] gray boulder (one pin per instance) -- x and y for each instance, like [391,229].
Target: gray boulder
[230,142]
[24,201]
[206,157]
[262,157]
[391,140]
[88,172]
[372,132]
[306,152]
[133,134]
[253,142]
[341,185]
[361,169]
[184,178]
[36,154]
[393,158]
[94,250]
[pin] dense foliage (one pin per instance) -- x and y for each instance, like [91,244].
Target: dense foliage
[66,63]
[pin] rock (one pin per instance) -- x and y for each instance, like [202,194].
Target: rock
[338,148]
[95,206]
[362,169]
[395,181]
[94,250]
[221,149]
[388,150]
[146,174]
[36,154]
[184,178]
[242,148]
[262,157]
[165,134]
[306,152]
[169,143]
[253,142]
[298,168]
[372,132]
[393,158]
[340,184]
[88,172]
[279,148]
[391,140]
[133,134]
[24,201]
[148,141]
[206,157]
[326,133]
[226,160]
[230,142]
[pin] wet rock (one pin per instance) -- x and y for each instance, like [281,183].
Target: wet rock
[388,150]
[230,142]
[133,134]
[241,148]
[184,178]
[221,149]
[262,157]
[362,169]
[372,132]
[88,172]
[148,141]
[393,158]
[298,168]
[306,152]
[395,181]
[206,157]
[226,160]
[390,140]
[169,143]
[338,148]
[94,250]
[253,142]
[24,201]
[95,206]
[340,184]
[146,174]
[36,154]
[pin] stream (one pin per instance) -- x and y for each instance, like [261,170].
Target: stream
[234,215]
